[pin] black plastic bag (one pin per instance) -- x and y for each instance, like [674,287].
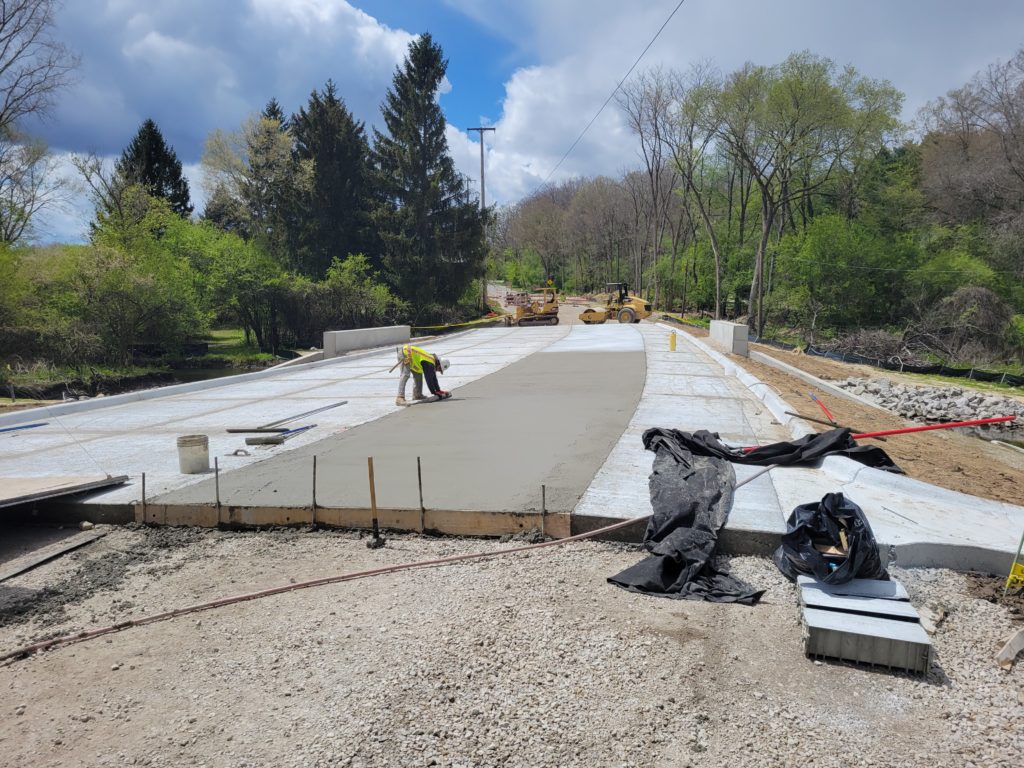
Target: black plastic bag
[691,496]
[820,523]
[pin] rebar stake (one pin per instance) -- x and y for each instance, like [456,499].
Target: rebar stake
[376,542]
[423,511]
[143,497]
[313,511]
[216,484]
[543,508]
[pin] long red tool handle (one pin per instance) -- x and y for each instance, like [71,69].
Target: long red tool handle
[822,406]
[907,430]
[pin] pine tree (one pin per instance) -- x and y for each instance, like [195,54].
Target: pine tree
[274,112]
[336,219]
[430,227]
[150,163]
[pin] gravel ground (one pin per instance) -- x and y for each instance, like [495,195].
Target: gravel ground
[523,660]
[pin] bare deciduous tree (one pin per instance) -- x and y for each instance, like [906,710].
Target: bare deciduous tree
[29,182]
[33,65]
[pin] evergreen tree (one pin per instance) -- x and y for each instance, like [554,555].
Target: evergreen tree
[150,163]
[431,229]
[336,217]
[274,112]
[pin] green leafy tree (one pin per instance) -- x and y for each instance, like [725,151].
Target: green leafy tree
[150,163]
[430,228]
[336,219]
[256,184]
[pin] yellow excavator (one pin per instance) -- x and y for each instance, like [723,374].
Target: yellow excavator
[533,310]
[619,306]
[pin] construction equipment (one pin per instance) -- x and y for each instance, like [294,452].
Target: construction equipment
[534,309]
[620,305]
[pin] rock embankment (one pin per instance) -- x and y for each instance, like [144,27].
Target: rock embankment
[941,404]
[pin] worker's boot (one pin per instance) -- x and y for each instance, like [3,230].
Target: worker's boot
[400,400]
[417,390]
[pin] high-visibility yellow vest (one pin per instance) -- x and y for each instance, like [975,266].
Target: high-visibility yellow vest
[414,357]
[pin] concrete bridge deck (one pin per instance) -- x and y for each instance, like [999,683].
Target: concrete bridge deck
[562,407]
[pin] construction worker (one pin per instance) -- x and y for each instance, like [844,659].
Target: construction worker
[421,364]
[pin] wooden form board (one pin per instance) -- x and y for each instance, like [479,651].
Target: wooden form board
[25,490]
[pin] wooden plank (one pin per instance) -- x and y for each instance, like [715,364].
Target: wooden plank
[25,490]
[45,554]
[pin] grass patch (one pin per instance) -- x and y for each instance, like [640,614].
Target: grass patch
[695,320]
[230,343]
[44,373]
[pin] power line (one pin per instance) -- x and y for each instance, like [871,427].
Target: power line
[610,96]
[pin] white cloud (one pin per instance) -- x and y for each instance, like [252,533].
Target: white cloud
[193,65]
[581,49]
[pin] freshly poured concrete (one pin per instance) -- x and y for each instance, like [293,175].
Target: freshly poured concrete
[549,419]
[136,433]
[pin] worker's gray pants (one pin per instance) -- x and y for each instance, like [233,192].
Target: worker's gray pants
[417,381]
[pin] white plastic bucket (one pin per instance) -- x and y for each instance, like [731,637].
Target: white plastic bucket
[193,454]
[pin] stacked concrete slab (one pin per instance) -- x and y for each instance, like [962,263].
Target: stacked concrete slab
[865,622]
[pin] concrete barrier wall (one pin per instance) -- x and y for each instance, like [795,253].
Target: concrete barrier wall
[339,342]
[729,337]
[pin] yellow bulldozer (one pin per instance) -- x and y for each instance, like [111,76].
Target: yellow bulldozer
[620,305]
[530,309]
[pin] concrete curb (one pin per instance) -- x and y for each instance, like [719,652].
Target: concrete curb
[810,378]
[844,471]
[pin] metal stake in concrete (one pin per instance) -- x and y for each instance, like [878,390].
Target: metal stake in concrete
[216,484]
[423,511]
[143,497]
[376,542]
[313,516]
[543,508]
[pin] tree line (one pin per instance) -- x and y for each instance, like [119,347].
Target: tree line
[310,224]
[791,196]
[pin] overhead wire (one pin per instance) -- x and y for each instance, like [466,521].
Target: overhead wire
[611,95]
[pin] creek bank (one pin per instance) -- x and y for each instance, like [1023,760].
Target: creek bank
[99,385]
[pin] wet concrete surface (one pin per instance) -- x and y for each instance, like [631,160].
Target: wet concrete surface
[550,419]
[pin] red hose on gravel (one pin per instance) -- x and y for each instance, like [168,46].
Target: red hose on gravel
[93,633]
[84,635]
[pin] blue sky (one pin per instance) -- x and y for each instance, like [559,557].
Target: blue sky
[536,69]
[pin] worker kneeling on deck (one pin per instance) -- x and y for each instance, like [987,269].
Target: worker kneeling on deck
[421,364]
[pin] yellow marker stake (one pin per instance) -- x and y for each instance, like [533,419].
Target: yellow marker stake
[1016,577]
[672,342]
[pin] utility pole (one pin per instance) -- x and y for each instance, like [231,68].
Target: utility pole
[483,205]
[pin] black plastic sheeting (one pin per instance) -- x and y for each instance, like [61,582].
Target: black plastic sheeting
[806,450]
[820,522]
[691,496]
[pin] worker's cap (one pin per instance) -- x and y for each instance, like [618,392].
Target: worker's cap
[444,364]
